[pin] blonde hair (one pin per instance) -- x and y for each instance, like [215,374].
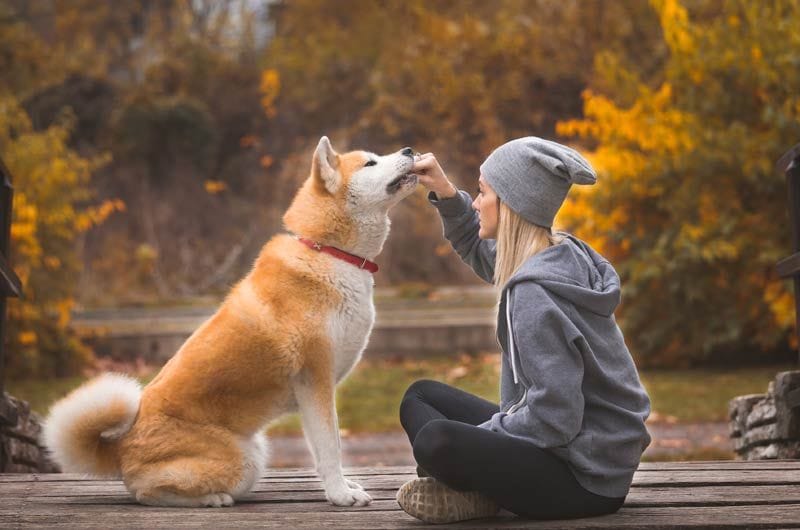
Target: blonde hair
[517,240]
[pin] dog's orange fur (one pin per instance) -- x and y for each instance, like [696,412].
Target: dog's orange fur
[270,328]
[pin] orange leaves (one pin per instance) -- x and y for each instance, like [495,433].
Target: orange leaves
[248,141]
[653,123]
[96,215]
[686,191]
[214,187]
[266,161]
[675,24]
[27,338]
[269,88]
[51,184]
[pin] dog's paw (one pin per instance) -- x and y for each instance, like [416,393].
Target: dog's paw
[354,485]
[348,496]
[217,500]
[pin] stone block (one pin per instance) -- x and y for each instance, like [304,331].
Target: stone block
[788,420]
[762,413]
[29,428]
[781,450]
[762,452]
[8,410]
[733,429]
[20,451]
[23,452]
[738,410]
[761,435]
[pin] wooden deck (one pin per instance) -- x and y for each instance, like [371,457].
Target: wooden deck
[731,494]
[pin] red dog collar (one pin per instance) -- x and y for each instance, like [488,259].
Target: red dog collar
[361,263]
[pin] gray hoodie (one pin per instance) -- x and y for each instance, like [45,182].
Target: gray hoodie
[568,383]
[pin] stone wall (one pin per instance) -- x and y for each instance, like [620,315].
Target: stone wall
[20,428]
[765,426]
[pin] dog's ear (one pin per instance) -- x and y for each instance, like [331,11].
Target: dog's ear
[325,165]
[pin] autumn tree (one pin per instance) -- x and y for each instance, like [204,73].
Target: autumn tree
[51,207]
[688,204]
[454,78]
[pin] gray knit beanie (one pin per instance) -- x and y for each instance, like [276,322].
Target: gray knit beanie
[532,176]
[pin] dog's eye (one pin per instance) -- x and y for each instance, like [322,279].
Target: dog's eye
[371,163]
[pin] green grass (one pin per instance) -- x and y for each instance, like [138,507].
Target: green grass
[703,394]
[368,400]
[41,393]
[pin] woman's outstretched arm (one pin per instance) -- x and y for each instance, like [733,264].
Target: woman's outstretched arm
[459,220]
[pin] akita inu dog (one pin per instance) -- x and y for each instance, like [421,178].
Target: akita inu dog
[282,339]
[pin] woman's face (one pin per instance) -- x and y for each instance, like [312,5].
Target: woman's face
[486,204]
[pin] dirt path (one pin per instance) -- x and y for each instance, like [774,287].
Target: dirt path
[391,449]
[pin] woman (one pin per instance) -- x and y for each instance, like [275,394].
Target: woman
[569,431]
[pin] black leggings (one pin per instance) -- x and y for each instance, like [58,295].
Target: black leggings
[440,422]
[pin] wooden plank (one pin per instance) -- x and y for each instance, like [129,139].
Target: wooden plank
[677,478]
[787,464]
[638,497]
[666,478]
[760,494]
[711,477]
[147,517]
[720,464]
[382,487]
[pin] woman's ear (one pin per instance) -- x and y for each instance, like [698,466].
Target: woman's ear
[325,165]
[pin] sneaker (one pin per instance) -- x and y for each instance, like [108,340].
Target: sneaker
[429,500]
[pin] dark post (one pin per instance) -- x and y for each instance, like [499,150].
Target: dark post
[790,267]
[9,283]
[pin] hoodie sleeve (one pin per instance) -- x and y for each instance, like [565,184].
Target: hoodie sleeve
[461,228]
[550,366]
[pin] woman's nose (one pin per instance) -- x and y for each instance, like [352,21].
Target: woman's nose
[475,205]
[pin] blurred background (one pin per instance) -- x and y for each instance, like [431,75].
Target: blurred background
[154,144]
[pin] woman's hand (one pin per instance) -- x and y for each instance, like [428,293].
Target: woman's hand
[430,175]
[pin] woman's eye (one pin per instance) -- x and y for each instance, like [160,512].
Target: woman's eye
[371,163]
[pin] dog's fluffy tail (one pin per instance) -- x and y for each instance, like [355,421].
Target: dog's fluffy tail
[83,430]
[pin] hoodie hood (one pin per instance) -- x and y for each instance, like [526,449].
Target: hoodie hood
[575,271]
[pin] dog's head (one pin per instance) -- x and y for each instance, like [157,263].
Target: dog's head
[348,191]
[367,181]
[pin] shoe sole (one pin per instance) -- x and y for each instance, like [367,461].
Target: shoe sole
[429,500]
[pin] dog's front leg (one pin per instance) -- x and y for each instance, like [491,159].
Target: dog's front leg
[314,390]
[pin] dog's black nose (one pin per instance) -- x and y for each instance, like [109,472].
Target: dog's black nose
[407,151]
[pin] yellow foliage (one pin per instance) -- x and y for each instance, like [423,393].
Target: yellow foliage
[96,215]
[27,338]
[686,195]
[215,186]
[675,25]
[270,88]
[50,182]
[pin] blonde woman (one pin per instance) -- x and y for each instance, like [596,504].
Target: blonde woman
[569,431]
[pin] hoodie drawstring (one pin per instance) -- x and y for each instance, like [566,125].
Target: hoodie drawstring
[511,337]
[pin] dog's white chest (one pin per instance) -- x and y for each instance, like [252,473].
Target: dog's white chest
[351,322]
